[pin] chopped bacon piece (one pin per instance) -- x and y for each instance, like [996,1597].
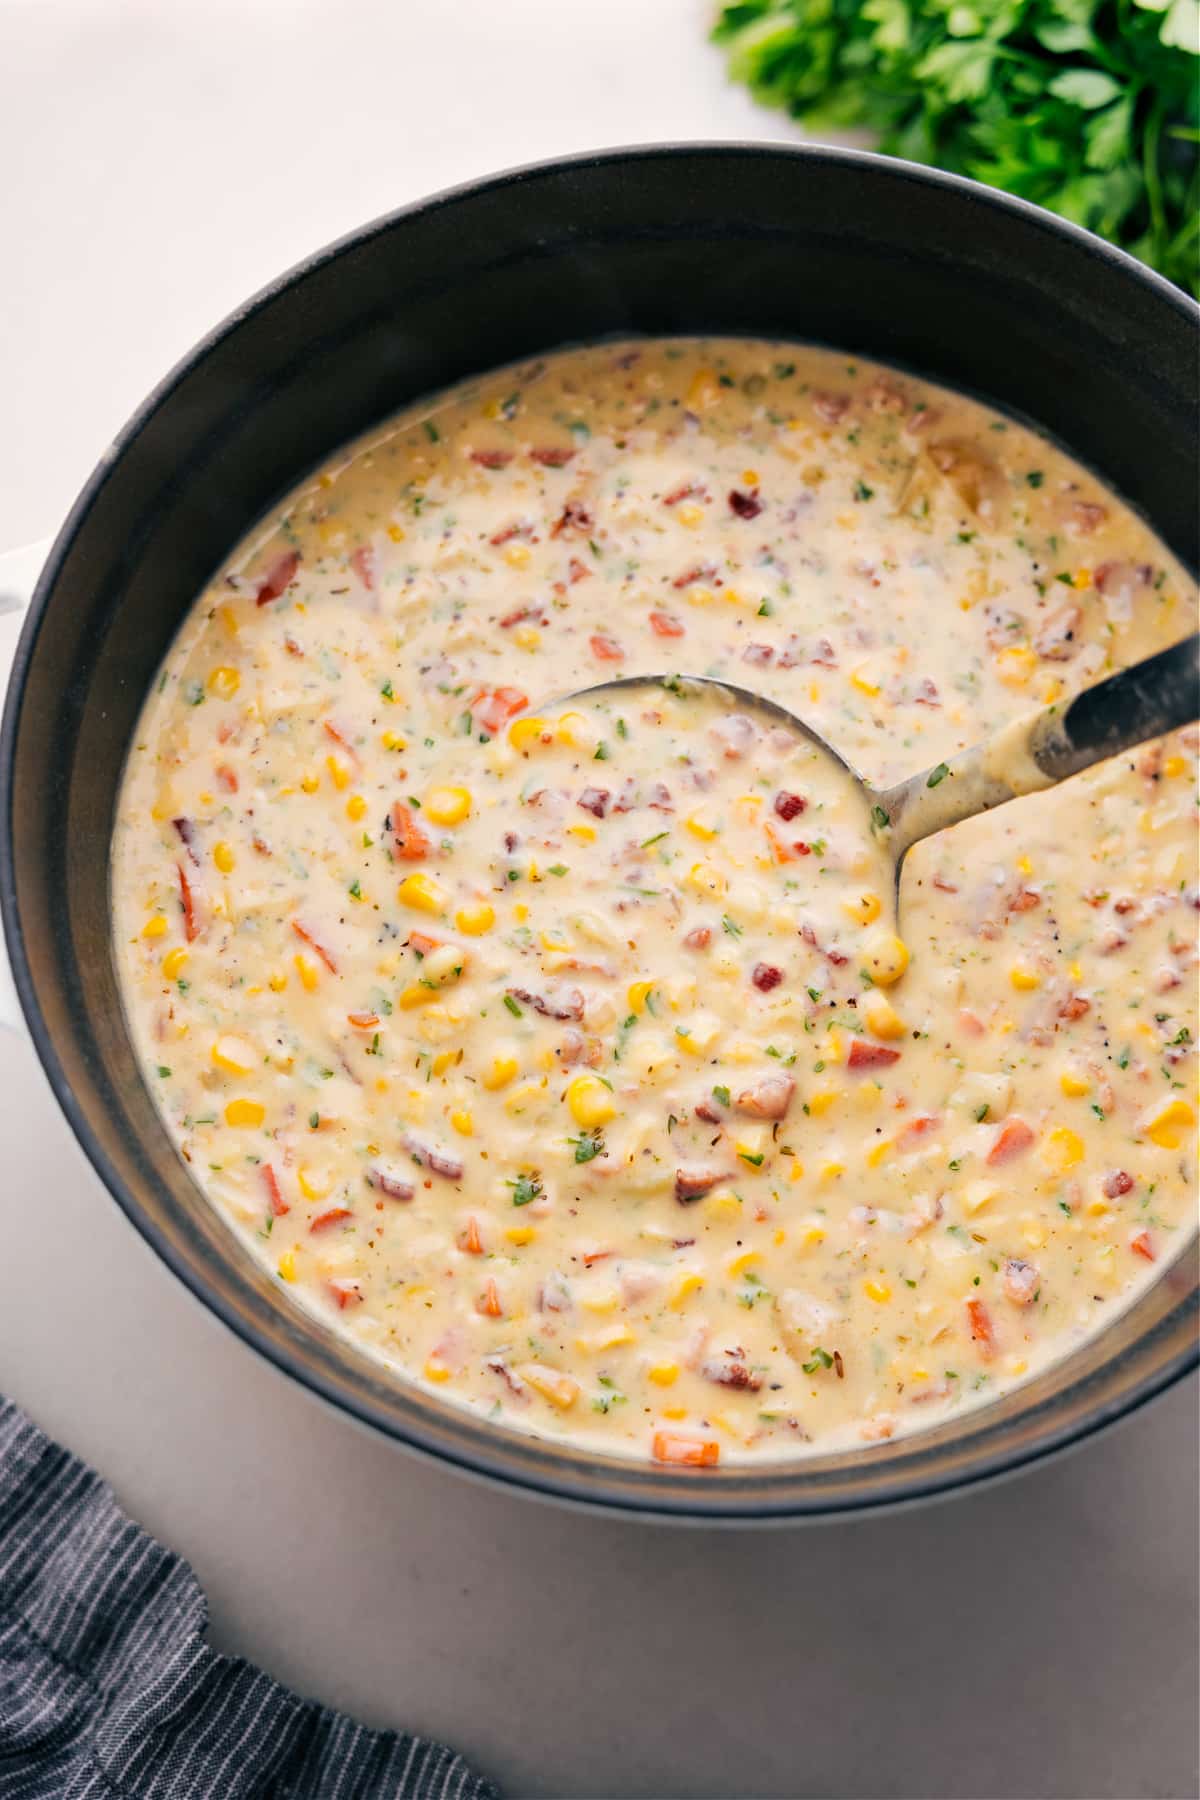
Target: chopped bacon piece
[870,1056]
[746,506]
[685,1452]
[666,625]
[766,976]
[709,1111]
[698,938]
[979,1322]
[333,1215]
[1142,1244]
[1021,1280]
[758,655]
[1117,1183]
[302,931]
[595,1256]
[1058,638]
[595,800]
[345,1291]
[698,572]
[333,730]
[565,1003]
[970,1023]
[278,578]
[830,407]
[506,534]
[605,648]
[494,707]
[1013,1137]
[389,1183]
[1074,1007]
[362,561]
[411,842]
[926,694]
[519,614]
[660,798]
[734,733]
[191,912]
[1084,517]
[577,571]
[731,1374]
[275,1199]
[788,806]
[1024,901]
[187,837]
[917,1128]
[693,1183]
[428,1156]
[551,456]
[227,778]
[768,1098]
[689,490]
[573,517]
[944,886]
[492,459]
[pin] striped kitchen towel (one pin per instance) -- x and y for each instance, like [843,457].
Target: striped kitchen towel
[108,1691]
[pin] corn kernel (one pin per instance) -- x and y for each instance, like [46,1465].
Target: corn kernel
[520,1235]
[229,620]
[862,681]
[722,1207]
[585,833]
[287,1266]
[356,807]
[517,555]
[223,857]
[1097,1209]
[699,1035]
[663,1374]
[1167,1123]
[524,734]
[224,683]
[277,982]
[685,1287]
[639,993]
[527,637]
[339,773]
[864,909]
[703,392]
[886,958]
[590,1102]
[879,1153]
[392,740]
[310,783]
[1015,665]
[307,970]
[245,1112]
[1023,978]
[882,1019]
[234,1055]
[1073,1084]
[155,927]
[702,878]
[1175,765]
[1063,1149]
[448,805]
[674,1412]
[499,1073]
[436,1371]
[832,1171]
[314,1183]
[821,1101]
[475,919]
[422,892]
[463,1121]
[700,827]
[1034,1234]
[574,730]
[613,1337]
[523,1097]
[558,1389]
[878,1291]
[813,1237]
[174,963]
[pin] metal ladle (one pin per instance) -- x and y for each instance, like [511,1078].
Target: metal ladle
[1036,751]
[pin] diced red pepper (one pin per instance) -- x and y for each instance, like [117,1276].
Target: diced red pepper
[278,578]
[1143,1245]
[666,625]
[494,707]
[870,1056]
[345,1291]
[191,916]
[275,1199]
[362,561]
[979,1321]
[333,1215]
[302,931]
[411,842]
[685,1452]
[605,648]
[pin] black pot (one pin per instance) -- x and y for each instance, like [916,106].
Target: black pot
[914,267]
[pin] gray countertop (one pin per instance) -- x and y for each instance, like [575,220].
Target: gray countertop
[1037,1638]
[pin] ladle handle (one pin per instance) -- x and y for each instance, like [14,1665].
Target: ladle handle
[1045,747]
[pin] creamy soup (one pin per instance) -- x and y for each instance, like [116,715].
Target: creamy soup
[569,1054]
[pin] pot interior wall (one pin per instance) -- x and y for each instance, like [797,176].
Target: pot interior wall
[820,246]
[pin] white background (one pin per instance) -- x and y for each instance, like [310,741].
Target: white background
[158,162]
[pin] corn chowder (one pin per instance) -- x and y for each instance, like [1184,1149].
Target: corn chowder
[571,1057]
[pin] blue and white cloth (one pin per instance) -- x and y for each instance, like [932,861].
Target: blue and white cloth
[109,1692]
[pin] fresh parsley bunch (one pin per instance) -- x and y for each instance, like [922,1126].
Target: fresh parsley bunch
[1089,107]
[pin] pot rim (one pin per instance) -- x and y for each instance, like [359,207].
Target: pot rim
[690,1500]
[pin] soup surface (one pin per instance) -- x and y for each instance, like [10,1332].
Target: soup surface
[568,1054]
